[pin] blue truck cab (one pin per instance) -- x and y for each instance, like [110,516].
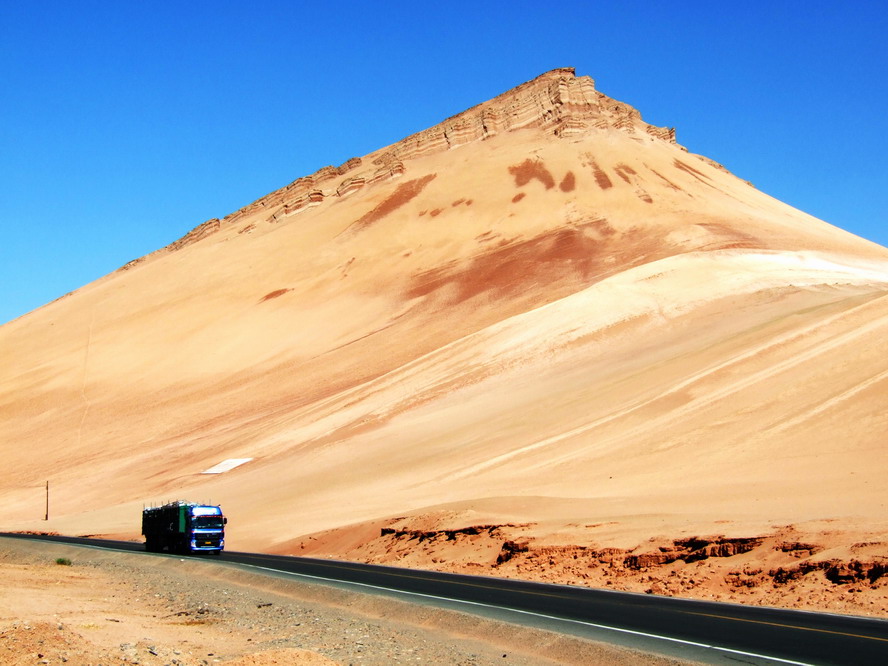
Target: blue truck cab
[184,527]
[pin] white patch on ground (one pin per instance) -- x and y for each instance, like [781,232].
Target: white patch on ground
[226,465]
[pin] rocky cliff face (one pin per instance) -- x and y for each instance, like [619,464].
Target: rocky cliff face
[557,102]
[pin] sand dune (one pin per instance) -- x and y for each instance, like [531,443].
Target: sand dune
[541,313]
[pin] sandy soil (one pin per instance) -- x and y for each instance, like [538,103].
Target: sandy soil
[119,608]
[808,569]
[542,315]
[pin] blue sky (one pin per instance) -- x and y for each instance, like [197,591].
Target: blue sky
[125,124]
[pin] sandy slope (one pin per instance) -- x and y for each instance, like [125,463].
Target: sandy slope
[569,323]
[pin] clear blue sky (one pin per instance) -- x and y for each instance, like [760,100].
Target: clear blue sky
[125,124]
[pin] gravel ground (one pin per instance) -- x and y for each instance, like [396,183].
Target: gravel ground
[118,608]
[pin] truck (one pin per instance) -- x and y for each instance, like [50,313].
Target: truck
[184,527]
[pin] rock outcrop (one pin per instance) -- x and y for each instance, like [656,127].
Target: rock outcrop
[558,102]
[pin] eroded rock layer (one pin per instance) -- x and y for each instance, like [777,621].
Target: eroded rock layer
[558,102]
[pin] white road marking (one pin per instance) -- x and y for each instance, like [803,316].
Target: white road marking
[541,615]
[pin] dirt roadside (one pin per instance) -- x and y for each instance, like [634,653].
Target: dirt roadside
[64,604]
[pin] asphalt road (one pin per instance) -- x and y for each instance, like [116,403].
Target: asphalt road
[709,631]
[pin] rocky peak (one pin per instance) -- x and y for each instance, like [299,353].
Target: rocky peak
[558,101]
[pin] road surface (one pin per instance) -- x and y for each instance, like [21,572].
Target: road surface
[707,631]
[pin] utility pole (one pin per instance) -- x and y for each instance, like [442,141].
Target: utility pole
[47,501]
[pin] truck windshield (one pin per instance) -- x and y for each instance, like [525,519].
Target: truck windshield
[207,522]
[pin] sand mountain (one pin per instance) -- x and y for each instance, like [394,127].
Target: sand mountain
[541,322]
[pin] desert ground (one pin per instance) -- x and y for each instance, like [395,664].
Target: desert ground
[540,339]
[96,608]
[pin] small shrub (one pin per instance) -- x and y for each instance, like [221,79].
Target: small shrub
[64,561]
